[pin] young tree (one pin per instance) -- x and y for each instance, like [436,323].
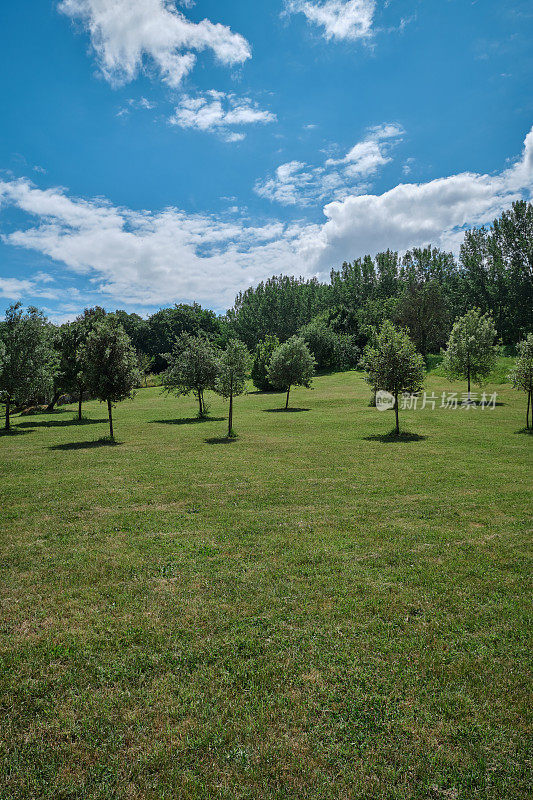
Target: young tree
[109,365]
[291,365]
[70,338]
[262,355]
[393,365]
[471,353]
[522,375]
[30,361]
[193,367]
[234,371]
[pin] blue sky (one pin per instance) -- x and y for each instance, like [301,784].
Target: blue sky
[154,152]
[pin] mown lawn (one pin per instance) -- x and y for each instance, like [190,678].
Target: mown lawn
[311,611]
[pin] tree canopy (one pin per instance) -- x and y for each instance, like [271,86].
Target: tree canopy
[29,359]
[193,367]
[471,351]
[393,364]
[234,369]
[109,364]
[291,365]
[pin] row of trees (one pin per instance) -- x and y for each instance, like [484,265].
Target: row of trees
[94,355]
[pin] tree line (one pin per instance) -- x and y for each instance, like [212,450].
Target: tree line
[94,356]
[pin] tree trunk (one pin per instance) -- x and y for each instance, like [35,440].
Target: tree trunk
[80,401]
[8,418]
[53,401]
[287,401]
[396,412]
[201,402]
[468,374]
[110,411]
[230,416]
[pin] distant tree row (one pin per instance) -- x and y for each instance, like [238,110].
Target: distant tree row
[94,356]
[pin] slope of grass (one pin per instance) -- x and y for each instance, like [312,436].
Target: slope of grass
[315,610]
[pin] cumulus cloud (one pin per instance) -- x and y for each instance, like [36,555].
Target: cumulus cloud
[219,112]
[340,19]
[296,183]
[144,258]
[128,35]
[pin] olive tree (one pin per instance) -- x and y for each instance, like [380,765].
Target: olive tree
[393,365]
[109,365]
[193,367]
[521,376]
[233,374]
[29,359]
[471,352]
[291,365]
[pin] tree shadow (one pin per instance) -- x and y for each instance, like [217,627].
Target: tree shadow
[61,423]
[15,431]
[284,410]
[186,420]
[107,442]
[221,440]
[41,412]
[392,436]
[525,431]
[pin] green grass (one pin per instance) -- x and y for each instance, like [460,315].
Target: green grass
[499,374]
[314,610]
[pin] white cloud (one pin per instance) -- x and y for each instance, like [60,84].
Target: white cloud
[147,258]
[219,112]
[296,183]
[14,288]
[340,19]
[126,35]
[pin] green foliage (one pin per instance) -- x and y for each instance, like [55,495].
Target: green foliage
[277,307]
[109,364]
[70,338]
[261,362]
[471,353]
[234,369]
[169,324]
[291,365]
[521,376]
[322,342]
[193,367]
[422,310]
[393,365]
[29,359]
[331,350]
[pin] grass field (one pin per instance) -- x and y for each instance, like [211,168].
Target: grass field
[311,611]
